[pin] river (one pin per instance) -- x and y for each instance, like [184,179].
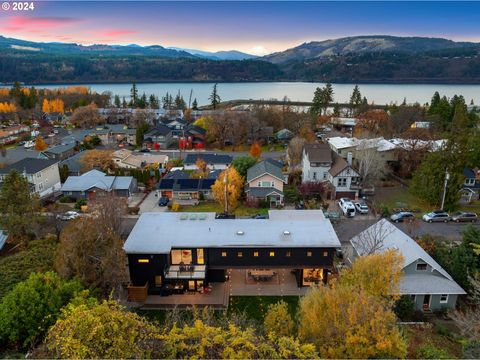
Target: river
[295,91]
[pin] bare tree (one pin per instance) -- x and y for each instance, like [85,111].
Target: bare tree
[372,239]
[294,151]
[371,166]
[86,116]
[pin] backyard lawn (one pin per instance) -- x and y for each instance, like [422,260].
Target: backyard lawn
[255,307]
[241,210]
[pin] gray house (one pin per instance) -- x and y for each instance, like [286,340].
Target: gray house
[94,182]
[161,137]
[60,152]
[424,280]
[265,181]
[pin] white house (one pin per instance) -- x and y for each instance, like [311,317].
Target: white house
[344,178]
[43,175]
[316,162]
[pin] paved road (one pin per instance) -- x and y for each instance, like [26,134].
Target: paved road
[348,228]
[175,154]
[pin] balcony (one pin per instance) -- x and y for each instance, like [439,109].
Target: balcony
[188,272]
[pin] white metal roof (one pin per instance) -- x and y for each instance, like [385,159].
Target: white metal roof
[394,238]
[158,233]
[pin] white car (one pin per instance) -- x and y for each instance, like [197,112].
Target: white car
[361,207]
[69,215]
[347,207]
[29,144]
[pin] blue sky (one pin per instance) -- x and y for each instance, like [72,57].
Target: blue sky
[255,27]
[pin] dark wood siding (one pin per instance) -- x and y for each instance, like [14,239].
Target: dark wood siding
[140,273]
[298,258]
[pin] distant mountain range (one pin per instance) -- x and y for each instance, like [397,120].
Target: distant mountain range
[358,59]
[366,44]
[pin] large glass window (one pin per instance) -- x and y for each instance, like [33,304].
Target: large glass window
[312,276]
[200,257]
[181,256]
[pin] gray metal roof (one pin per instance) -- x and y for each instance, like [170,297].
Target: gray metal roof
[158,233]
[394,238]
[29,165]
[96,179]
[59,149]
[267,166]
[209,158]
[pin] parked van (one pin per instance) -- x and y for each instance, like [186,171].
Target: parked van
[347,207]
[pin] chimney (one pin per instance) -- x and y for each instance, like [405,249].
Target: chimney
[349,158]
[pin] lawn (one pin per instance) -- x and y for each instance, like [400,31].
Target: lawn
[241,210]
[255,307]
[392,197]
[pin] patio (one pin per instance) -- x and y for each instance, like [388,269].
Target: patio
[281,283]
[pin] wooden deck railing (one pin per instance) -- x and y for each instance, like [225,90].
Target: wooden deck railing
[137,293]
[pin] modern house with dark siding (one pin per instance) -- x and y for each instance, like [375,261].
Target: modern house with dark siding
[188,251]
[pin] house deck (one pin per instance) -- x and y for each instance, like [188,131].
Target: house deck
[218,298]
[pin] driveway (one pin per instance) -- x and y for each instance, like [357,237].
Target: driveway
[150,204]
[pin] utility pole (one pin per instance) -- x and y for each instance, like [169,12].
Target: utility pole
[225,183]
[447,177]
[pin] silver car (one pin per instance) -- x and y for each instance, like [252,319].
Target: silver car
[436,216]
[462,216]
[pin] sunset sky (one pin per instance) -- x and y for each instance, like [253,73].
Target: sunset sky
[253,27]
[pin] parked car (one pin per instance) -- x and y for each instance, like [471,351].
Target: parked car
[55,131]
[361,207]
[462,216]
[29,144]
[402,216]
[69,215]
[163,201]
[259,216]
[224,216]
[145,150]
[300,205]
[347,207]
[436,216]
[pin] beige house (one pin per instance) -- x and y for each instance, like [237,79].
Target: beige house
[265,182]
[127,159]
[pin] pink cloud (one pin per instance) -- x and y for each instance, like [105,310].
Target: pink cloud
[35,24]
[113,33]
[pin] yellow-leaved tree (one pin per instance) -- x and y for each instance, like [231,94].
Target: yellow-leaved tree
[55,105]
[97,159]
[40,144]
[7,107]
[353,318]
[229,182]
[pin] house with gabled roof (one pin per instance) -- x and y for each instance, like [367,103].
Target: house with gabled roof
[265,182]
[471,183]
[213,161]
[93,182]
[424,280]
[43,175]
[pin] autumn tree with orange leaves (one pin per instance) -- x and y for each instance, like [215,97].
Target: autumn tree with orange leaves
[202,169]
[255,150]
[7,107]
[373,123]
[233,181]
[97,159]
[40,144]
[55,105]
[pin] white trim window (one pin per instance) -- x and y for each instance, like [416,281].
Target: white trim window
[469,182]
[443,298]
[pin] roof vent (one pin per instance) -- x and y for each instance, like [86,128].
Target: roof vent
[184,217]
[202,217]
[193,217]
[240,232]
[286,232]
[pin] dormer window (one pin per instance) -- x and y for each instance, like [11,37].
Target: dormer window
[469,182]
[421,267]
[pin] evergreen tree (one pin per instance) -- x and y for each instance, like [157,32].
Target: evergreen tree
[214,97]
[142,102]
[322,98]
[180,102]
[336,109]
[195,104]
[124,103]
[117,101]
[134,95]
[154,103]
[355,99]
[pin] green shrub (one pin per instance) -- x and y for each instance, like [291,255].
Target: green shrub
[430,351]
[37,257]
[405,308]
[32,306]
[66,199]
[442,330]
[80,203]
